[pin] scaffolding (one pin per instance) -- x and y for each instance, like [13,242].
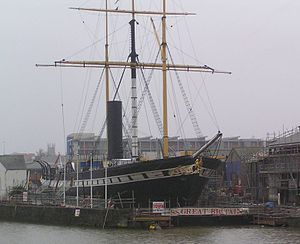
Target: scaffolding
[276,176]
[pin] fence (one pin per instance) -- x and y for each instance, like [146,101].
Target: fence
[69,201]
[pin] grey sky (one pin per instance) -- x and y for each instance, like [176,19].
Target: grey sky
[257,40]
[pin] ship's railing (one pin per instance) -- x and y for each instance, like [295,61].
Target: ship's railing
[49,199]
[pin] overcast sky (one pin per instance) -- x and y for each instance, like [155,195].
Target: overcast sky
[257,40]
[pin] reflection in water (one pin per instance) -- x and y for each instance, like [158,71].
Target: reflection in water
[11,233]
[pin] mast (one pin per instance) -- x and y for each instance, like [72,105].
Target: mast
[106,54]
[165,93]
[106,65]
[133,61]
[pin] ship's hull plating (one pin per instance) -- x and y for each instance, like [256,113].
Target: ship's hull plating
[179,180]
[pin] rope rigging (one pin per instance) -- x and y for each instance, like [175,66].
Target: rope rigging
[62,107]
[187,102]
[88,113]
[151,100]
[209,108]
[82,121]
[117,94]
[177,114]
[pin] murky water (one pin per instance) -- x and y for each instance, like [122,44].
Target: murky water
[12,233]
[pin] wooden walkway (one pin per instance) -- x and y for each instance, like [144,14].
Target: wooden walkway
[269,220]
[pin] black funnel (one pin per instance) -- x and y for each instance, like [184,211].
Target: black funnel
[114,130]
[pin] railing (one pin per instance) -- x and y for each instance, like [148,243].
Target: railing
[271,137]
[280,167]
[49,199]
[151,212]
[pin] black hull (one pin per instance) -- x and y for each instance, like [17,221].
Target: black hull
[175,180]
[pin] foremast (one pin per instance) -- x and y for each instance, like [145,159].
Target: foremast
[164,74]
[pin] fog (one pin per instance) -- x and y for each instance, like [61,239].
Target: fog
[258,41]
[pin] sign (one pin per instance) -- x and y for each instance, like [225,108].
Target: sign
[25,196]
[77,212]
[158,207]
[209,211]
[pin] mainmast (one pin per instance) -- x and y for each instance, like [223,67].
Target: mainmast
[106,54]
[133,61]
[107,94]
[165,93]
[106,65]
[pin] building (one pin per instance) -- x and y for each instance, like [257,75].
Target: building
[236,165]
[275,176]
[12,173]
[85,144]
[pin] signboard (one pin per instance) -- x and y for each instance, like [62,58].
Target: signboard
[25,196]
[77,212]
[209,211]
[158,207]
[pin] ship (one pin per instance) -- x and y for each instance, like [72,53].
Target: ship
[178,179]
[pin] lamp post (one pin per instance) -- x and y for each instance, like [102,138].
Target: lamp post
[64,196]
[77,183]
[91,171]
[105,186]
[3,147]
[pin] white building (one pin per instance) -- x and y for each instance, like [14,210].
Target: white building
[12,173]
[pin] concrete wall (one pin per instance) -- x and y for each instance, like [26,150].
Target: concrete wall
[64,216]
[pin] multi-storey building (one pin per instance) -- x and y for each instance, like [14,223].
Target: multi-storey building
[85,144]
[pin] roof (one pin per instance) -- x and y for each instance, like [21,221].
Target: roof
[33,165]
[81,136]
[13,162]
[243,153]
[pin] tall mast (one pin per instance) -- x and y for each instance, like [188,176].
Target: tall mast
[133,61]
[164,72]
[106,54]
[106,66]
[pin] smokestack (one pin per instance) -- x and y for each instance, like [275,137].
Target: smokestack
[114,130]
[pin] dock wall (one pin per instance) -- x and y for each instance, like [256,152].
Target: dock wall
[64,216]
[293,222]
[214,220]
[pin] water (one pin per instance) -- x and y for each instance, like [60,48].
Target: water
[14,233]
